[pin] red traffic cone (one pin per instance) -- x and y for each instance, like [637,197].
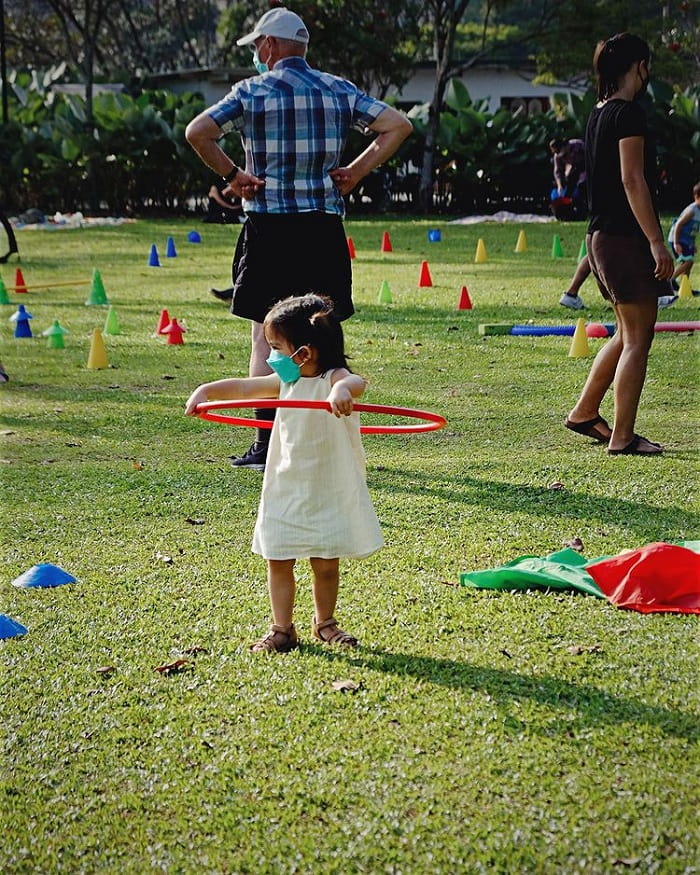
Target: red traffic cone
[163,322]
[20,285]
[425,279]
[174,332]
[465,302]
[386,242]
[351,248]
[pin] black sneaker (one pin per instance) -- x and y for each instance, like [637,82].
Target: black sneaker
[254,457]
[222,294]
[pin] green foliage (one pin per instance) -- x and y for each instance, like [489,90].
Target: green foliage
[127,39]
[492,732]
[371,43]
[136,157]
[488,159]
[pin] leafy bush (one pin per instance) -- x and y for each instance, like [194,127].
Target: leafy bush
[132,157]
[489,160]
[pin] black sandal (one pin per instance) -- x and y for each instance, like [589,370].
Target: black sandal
[588,428]
[632,448]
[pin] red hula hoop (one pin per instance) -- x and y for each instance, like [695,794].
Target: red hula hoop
[433,423]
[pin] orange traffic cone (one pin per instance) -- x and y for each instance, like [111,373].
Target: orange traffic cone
[20,285]
[351,247]
[163,322]
[465,302]
[424,279]
[174,332]
[386,242]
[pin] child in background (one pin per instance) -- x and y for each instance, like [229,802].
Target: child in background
[315,504]
[682,236]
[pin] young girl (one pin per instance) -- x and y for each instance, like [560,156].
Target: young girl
[314,504]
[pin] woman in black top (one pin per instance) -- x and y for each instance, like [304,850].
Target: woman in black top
[625,243]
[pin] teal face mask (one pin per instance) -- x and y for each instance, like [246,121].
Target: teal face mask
[259,65]
[284,366]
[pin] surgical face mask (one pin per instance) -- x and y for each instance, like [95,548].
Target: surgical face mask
[259,65]
[284,366]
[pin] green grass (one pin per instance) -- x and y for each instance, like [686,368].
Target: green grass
[477,741]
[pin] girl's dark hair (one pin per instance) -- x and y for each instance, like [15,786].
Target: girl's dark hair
[310,320]
[556,145]
[612,59]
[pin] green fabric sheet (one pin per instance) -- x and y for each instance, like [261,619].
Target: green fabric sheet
[563,570]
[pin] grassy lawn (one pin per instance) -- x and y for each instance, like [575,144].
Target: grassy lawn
[490,732]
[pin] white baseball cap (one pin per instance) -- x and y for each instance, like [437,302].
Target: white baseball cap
[279,22]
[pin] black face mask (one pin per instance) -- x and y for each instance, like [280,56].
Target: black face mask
[645,84]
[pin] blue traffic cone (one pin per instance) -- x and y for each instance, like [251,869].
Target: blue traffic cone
[10,628]
[194,237]
[170,248]
[43,575]
[153,257]
[21,319]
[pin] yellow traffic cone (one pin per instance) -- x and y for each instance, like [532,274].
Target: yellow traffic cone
[97,359]
[684,290]
[521,245]
[579,342]
[480,257]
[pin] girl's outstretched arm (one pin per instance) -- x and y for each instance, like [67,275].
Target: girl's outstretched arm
[233,390]
[344,388]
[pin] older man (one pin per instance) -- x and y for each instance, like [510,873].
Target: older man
[294,122]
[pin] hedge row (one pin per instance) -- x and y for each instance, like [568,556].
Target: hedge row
[134,159]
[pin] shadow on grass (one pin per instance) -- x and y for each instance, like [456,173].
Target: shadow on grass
[539,501]
[596,707]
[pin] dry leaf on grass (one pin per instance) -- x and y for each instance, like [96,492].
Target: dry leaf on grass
[575,543]
[193,651]
[106,669]
[346,686]
[176,667]
[578,649]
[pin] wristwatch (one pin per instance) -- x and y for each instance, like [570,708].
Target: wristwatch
[232,173]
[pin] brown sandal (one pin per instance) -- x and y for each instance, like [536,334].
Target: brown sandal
[334,634]
[280,639]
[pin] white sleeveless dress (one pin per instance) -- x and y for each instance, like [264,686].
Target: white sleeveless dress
[315,501]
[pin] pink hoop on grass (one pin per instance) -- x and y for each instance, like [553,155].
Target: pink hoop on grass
[433,420]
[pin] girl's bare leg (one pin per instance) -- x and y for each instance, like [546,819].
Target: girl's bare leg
[282,588]
[325,587]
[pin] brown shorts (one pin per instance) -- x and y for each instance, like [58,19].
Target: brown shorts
[279,255]
[624,268]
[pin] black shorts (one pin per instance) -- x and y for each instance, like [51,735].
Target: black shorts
[279,255]
[624,268]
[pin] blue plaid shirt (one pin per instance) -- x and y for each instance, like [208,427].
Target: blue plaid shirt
[294,122]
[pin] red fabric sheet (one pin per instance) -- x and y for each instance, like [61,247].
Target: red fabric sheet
[656,578]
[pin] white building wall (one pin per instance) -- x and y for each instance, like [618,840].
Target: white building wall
[492,83]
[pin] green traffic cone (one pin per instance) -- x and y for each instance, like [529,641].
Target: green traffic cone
[111,322]
[55,335]
[583,251]
[557,251]
[385,293]
[4,299]
[98,297]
